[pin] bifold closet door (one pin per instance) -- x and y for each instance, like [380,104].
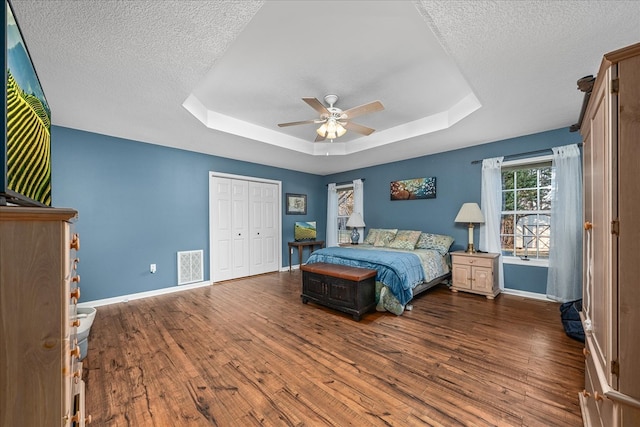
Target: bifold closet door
[230,229]
[263,227]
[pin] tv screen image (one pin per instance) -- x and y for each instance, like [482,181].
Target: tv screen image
[28,123]
[304,231]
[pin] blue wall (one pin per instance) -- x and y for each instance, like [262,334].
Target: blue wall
[141,203]
[458,181]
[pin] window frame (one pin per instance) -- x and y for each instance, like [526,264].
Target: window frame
[343,232]
[530,161]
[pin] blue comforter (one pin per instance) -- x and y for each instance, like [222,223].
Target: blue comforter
[400,271]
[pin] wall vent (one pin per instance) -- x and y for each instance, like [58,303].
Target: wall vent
[190,267]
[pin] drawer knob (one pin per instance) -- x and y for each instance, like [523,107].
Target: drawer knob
[585,393]
[75,242]
[75,294]
[588,225]
[75,352]
[76,279]
[87,419]
[586,352]
[76,323]
[597,396]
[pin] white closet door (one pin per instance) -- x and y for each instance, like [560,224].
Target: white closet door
[264,230]
[230,230]
[240,221]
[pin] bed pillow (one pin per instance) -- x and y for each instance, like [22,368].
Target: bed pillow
[385,236]
[372,235]
[439,242]
[405,239]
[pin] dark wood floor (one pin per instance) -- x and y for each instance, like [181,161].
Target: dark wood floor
[248,352]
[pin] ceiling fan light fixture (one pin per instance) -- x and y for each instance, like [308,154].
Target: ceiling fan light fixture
[331,129]
[322,130]
[333,121]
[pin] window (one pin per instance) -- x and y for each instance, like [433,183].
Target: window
[525,228]
[345,209]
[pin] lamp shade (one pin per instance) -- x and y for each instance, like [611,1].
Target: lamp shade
[470,213]
[355,220]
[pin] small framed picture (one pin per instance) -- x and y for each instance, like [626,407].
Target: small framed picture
[296,204]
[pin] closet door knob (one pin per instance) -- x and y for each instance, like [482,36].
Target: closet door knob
[588,225]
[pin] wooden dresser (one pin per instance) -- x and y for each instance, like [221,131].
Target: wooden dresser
[40,372]
[611,294]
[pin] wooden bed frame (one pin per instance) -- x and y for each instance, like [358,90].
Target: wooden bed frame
[425,286]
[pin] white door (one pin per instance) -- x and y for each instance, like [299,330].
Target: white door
[244,226]
[229,229]
[263,201]
[240,221]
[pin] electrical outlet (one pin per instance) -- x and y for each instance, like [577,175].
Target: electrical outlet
[152,268]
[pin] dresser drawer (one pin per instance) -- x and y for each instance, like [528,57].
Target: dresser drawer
[473,261]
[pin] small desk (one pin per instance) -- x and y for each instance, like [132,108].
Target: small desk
[300,245]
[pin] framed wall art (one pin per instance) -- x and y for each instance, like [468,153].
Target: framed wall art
[296,204]
[413,189]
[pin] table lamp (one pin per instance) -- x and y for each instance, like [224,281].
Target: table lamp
[470,213]
[355,221]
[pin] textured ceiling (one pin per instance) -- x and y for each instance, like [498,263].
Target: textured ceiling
[218,76]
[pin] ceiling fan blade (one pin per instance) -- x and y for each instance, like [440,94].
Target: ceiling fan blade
[319,138]
[303,122]
[371,107]
[354,127]
[317,105]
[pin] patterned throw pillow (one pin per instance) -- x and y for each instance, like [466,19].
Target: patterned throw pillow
[372,235]
[439,242]
[405,239]
[385,236]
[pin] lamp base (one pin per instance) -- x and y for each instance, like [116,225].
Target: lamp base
[471,249]
[355,236]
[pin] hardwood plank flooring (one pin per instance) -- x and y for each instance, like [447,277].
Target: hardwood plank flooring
[248,352]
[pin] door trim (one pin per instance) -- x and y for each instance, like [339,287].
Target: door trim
[214,174]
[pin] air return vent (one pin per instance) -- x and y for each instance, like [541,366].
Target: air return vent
[190,267]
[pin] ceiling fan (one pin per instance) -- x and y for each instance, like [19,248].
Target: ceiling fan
[333,121]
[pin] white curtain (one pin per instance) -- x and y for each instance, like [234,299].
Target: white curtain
[332,216]
[358,203]
[564,277]
[492,209]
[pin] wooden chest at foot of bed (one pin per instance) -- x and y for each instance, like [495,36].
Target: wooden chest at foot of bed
[348,289]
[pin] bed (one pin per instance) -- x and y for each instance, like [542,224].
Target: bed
[408,262]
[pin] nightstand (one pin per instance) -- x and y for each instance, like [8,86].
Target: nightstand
[476,273]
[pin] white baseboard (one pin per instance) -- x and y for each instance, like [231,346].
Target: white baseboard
[526,294]
[172,289]
[293,267]
[139,295]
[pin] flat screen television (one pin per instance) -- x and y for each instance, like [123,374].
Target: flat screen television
[304,231]
[25,156]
